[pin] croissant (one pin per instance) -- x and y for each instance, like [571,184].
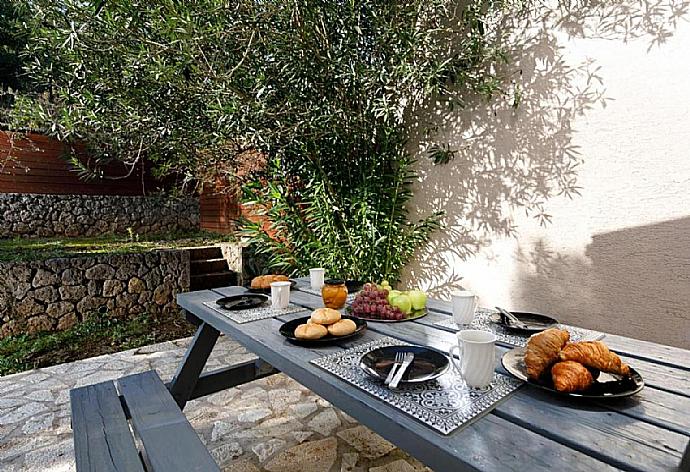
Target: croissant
[570,376]
[543,349]
[595,354]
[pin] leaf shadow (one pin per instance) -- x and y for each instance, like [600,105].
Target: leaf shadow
[511,158]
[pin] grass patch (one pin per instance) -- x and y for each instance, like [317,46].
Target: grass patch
[100,334]
[25,249]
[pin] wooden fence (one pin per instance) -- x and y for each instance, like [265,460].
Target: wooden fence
[218,211]
[36,165]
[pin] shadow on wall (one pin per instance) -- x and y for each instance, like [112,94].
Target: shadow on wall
[632,282]
[515,158]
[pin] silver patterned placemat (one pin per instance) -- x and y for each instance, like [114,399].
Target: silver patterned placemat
[486,320]
[444,404]
[309,290]
[253,314]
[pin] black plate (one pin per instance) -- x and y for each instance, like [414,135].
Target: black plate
[535,322]
[288,330]
[605,386]
[267,290]
[428,363]
[415,315]
[242,302]
[353,286]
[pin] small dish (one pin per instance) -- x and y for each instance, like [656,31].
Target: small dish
[534,322]
[605,386]
[428,363]
[242,302]
[353,285]
[288,330]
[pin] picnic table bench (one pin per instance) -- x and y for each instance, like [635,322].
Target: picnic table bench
[102,438]
[530,430]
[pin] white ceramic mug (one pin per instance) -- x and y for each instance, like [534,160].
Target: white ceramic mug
[464,305]
[280,295]
[316,277]
[477,353]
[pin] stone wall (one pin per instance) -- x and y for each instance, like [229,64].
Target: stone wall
[93,215]
[54,294]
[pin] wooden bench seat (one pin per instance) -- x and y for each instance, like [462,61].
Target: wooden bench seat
[104,442]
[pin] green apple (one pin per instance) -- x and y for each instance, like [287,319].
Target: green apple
[402,301]
[392,294]
[417,298]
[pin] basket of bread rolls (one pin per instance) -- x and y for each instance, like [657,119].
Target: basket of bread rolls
[323,326]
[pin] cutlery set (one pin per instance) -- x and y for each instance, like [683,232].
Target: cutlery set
[402,362]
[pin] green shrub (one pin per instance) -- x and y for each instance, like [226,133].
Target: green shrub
[100,334]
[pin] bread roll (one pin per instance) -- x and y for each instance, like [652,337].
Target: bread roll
[265,281]
[325,316]
[342,328]
[259,281]
[310,331]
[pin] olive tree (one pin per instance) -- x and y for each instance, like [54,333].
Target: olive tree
[326,92]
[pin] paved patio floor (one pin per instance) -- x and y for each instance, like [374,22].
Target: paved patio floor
[273,424]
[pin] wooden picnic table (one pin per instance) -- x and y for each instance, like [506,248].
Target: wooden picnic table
[530,430]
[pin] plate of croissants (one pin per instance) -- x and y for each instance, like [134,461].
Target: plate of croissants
[325,325]
[587,369]
[262,283]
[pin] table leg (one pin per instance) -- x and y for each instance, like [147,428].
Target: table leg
[183,383]
[685,461]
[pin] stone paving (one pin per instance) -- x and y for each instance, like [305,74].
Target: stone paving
[273,424]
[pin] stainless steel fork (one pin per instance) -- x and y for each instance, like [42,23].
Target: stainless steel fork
[399,357]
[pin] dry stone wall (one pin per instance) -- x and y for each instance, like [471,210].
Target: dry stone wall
[93,215]
[54,294]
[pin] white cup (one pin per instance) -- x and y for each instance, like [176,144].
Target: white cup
[477,353]
[280,295]
[316,277]
[464,305]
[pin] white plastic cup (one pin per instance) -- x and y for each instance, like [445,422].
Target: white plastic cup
[477,352]
[316,277]
[280,295]
[464,305]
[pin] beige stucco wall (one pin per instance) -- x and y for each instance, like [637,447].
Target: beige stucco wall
[612,89]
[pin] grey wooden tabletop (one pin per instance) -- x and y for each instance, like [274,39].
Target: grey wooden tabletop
[530,430]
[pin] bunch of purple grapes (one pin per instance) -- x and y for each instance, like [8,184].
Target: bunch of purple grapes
[372,302]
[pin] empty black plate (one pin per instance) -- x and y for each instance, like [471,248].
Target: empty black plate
[353,286]
[605,386]
[267,290]
[427,365]
[535,322]
[242,302]
[288,330]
